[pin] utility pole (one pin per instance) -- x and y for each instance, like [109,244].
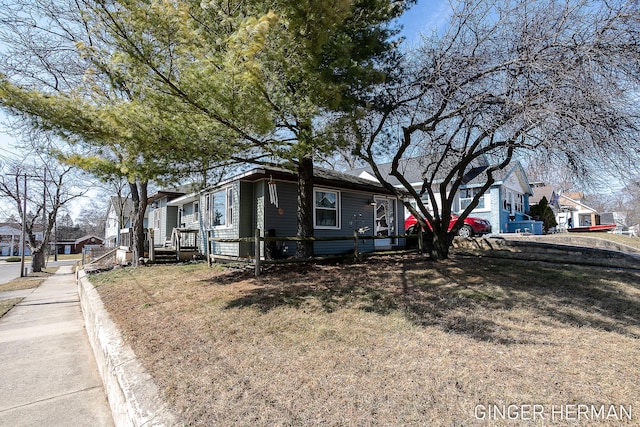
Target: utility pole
[55,239]
[24,227]
[44,217]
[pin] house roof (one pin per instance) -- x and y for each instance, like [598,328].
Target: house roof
[501,176]
[324,177]
[12,225]
[127,206]
[321,177]
[88,237]
[569,203]
[169,195]
[37,227]
[413,170]
[540,191]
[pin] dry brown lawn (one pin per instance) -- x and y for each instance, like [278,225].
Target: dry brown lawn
[390,341]
[633,242]
[8,304]
[31,281]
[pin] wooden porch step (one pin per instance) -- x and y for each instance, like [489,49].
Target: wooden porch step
[165,256]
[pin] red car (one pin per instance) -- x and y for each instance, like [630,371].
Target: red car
[472,226]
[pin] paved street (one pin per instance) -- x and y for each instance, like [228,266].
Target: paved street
[11,270]
[8,271]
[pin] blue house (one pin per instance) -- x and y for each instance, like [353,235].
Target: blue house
[505,204]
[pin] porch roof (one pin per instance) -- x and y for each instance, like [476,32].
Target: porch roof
[183,200]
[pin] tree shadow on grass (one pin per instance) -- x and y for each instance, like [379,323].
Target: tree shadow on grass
[466,296]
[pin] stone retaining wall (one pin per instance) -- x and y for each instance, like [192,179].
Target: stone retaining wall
[132,394]
[551,251]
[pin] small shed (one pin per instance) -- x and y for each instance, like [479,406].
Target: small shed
[76,246]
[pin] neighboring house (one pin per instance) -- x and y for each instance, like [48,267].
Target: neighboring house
[540,190]
[266,199]
[76,246]
[163,218]
[505,204]
[11,239]
[572,212]
[119,216]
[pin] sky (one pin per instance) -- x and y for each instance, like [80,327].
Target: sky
[423,18]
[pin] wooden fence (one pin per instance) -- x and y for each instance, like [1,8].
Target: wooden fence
[258,239]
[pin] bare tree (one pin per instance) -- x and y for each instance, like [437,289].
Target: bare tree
[49,190]
[632,202]
[92,217]
[508,80]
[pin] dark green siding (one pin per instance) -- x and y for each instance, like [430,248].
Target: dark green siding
[246,208]
[254,209]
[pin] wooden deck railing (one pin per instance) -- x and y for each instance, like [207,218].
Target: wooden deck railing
[258,239]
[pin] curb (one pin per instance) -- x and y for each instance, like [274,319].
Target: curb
[131,392]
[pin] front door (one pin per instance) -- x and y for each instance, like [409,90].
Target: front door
[385,222]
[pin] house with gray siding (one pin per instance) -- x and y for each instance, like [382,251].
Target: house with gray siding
[266,199]
[162,216]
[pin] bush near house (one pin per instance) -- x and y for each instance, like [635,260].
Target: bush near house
[543,212]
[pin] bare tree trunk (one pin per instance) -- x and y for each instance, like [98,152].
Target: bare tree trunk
[439,245]
[305,206]
[37,260]
[139,200]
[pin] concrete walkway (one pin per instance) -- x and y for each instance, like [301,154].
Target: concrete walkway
[48,373]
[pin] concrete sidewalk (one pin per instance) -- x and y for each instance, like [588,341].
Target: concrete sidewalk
[48,373]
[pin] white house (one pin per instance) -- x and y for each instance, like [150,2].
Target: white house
[572,212]
[118,217]
[11,239]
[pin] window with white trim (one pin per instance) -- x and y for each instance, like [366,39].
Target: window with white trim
[519,202]
[426,201]
[507,200]
[466,197]
[221,213]
[156,218]
[326,209]
[196,211]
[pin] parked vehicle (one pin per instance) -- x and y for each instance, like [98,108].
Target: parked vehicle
[472,226]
